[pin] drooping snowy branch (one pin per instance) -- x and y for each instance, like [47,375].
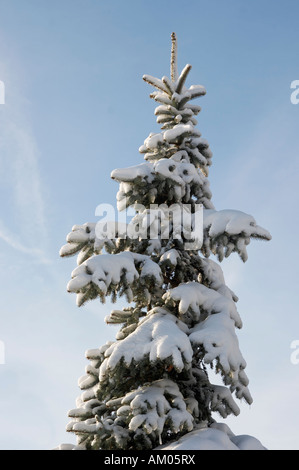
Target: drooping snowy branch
[103,275]
[91,238]
[151,406]
[213,276]
[82,237]
[216,318]
[160,336]
[228,231]
[216,334]
[223,402]
[201,301]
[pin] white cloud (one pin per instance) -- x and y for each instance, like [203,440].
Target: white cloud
[13,242]
[23,223]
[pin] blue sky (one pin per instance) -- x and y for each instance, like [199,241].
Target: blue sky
[76,108]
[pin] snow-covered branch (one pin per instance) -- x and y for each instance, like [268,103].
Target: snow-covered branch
[151,406]
[216,335]
[160,336]
[228,231]
[202,302]
[91,238]
[174,176]
[102,275]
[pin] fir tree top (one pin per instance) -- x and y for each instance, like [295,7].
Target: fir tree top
[152,383]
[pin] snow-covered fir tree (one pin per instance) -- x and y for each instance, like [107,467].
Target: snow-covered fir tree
[151,385]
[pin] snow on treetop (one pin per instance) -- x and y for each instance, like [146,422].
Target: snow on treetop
[174,94]
[180,131]
[176,116]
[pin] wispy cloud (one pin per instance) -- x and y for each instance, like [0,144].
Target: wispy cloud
[22,221]
[12,240]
